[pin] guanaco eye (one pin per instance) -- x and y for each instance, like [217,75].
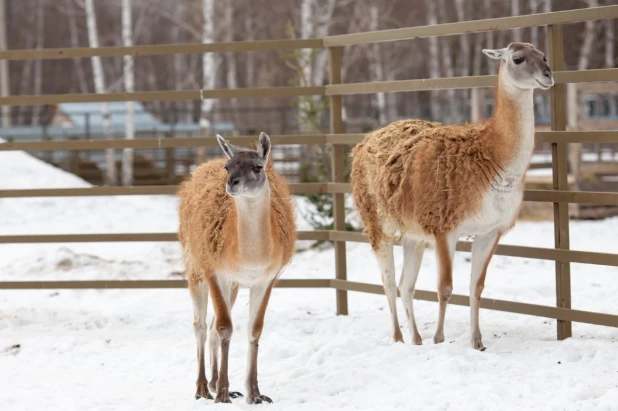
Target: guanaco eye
[544,58]
[226,169]
[518,60]
[257,169]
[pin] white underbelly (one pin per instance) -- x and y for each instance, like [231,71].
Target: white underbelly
[248,276]
[497,212]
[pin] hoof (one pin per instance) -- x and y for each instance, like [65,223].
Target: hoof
[202,391]
[223,399]
[236,394]
[438,338]
[478,345]
[417,340]
[397,337]
[260,399]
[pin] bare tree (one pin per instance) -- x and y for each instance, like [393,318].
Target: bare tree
[38,64]
[375,62]
[209,71]
[230,58]
[534,31]
[573,101]
[517,33]
[449,69]
[79,70]
[99,86]
[433,62]
[129,86]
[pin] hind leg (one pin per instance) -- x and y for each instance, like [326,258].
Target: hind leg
[199,295]
[412,257]
[386,261]
[445,251]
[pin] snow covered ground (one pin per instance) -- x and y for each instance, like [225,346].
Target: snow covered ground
[134,349]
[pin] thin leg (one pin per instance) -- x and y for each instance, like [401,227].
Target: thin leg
[199,295]
[259,296]
[213,348]
[445,251]
[412,257]
[386,261]
[221,291]
[482,250]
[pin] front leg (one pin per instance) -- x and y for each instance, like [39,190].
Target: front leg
[221,292]
[259,296]
[483,249]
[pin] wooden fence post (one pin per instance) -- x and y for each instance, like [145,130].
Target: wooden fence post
[338,176]
[560,177]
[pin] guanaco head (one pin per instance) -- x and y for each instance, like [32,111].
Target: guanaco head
[246,168]
[524,65]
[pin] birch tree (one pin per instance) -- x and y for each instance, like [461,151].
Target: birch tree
[129,86]
[574,102]
[449,70]
[77,62]
[209,71]
[434,64]
[99,87]
[375,63]
[517,34]
[38,64]
[534,31]
[230,58]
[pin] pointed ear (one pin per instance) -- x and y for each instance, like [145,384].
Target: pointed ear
[227,148]
[264,146]
[496,54]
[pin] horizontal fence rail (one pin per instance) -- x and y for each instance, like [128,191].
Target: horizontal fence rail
[562,196]
[160,49]
[605,136]
[537,310]
[560,77]
[474,26]
[572,256]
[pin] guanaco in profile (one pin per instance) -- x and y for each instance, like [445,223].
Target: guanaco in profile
[236,229]
[433,183]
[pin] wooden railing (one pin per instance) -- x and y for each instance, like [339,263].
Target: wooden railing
[560,196]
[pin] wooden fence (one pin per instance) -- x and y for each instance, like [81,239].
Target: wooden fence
[560,195]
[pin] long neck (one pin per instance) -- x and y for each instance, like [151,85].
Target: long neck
[253,224]
[513,123]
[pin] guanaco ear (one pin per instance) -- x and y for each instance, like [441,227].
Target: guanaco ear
[496,54]
[227,148]
[264,146]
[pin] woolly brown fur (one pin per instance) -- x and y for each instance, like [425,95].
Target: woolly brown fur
[208,231]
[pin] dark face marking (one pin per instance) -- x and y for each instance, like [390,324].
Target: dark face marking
[246,174]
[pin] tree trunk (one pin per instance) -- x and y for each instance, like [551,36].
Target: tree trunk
[449,69]
[209,73]
[610,39]
[464,44]
[517,34]
[250,63]
[79,70]
[476,103]
[99,87]
[534,31]
[574,102]
[434,64]
[230,58]
[375,64]
[38,64]
[129,86]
